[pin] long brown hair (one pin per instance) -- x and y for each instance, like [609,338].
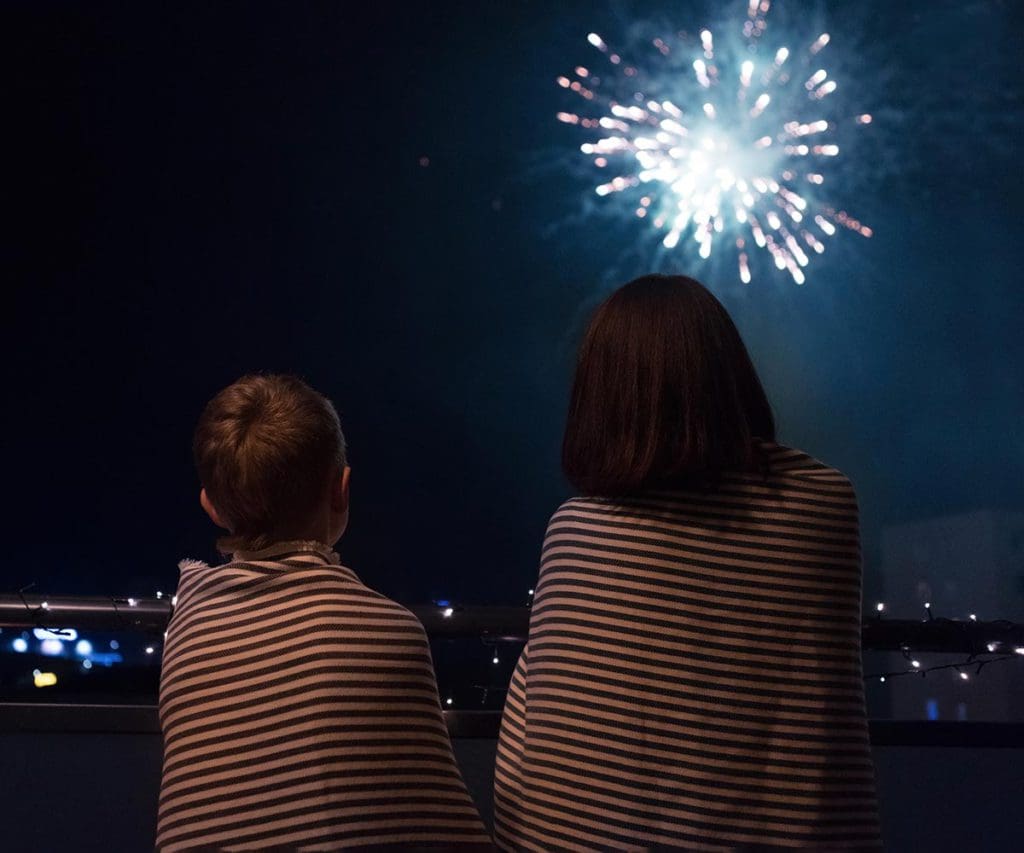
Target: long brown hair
[665,394]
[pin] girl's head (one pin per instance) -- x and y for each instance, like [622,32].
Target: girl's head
[665,394]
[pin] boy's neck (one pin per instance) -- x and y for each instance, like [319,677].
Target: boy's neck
[289,546]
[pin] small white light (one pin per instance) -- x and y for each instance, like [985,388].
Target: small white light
[1019,650]
[448,701]
[882,679]
[45,605]
[20,644]
[974,617]
[447,612]
[495,660]
[964,676]
[132,602]
[174,600]
[880,606]
[83,648]
[159,595]
[529,592]
[927,605]
[992,647]
[115,645]
[916,664]
[87,664]
[149,650]
[51,647]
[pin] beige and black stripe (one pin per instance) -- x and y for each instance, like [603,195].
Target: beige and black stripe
[693,677]
[300,711]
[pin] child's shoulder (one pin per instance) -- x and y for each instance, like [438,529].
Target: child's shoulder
[322,594]
[382,604]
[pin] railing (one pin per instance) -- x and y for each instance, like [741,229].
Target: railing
[149,616]
[494,624]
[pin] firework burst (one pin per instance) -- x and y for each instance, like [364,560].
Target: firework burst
[723,147]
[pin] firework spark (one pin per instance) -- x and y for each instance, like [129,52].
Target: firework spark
[722,145]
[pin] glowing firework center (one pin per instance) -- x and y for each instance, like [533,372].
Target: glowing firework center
[730,164]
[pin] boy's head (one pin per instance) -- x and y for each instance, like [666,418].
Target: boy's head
[271,458]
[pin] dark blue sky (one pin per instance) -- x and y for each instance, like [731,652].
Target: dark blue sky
[198,191]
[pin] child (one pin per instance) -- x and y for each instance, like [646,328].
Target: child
[299,708]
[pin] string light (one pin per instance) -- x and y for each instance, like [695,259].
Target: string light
[949,635]
[970,641]
[971,661]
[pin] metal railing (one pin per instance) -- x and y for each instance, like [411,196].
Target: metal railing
[149,616]
[493,624]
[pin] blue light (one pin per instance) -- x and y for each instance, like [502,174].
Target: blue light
[932,709]
[83,648]
[20,644]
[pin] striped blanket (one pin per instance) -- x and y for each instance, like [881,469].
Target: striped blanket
[693,676]
[300,711]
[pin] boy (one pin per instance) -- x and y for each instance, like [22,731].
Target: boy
[299,708]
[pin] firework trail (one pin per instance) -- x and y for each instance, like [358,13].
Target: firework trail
[726,145]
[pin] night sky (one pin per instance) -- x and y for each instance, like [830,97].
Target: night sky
[197,191]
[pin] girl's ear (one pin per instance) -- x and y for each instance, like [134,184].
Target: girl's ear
[211,510]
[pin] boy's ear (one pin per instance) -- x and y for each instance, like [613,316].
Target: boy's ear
[339,491]
[211,510]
